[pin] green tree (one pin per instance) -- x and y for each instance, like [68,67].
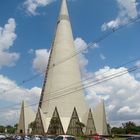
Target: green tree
[10,129]
[129,127]
[109,128]
[116,130]
[80,127]
[2,129]
[16,125]
[54,125]
[33,127]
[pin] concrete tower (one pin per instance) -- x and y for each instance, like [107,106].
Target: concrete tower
[27,115]
[100,119]
[62,72]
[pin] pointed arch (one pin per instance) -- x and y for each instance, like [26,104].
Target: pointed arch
[74,127]
[90,125]
[55,126]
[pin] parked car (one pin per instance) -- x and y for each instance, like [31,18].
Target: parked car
[36,137]
[48,137]
[133,138]
[2,137]
[26,137]
[65,137]
[17,137]
[96,137]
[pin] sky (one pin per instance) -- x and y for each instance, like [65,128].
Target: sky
[27,31]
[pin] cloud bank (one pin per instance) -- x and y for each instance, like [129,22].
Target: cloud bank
[121,94]
[127,11]
[9,90]
[40,60]
[31,6]
[7,38]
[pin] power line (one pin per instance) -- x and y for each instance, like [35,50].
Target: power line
[104,36]
[88,82]
[99,82]
[89,85]
[89,78]
[76,53]
[65,89]
[89,45]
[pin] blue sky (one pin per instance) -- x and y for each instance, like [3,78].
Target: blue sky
[28,29]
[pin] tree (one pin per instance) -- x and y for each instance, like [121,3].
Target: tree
[54,125]
[129,127]
[33,127]
[80,124]
[116,130]
[16,125]
[2,129]
[10,129]
[80,127]
[109,128]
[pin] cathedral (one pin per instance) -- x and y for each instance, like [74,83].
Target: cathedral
[62,108]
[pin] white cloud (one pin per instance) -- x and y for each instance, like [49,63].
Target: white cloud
[8,59]
[31,51]
[102,56]
[125,109]
[121,94]
[138,63]
[9,117]
[137,75]
[9,91]
[41,59]
[32,5]
[127,10]
[111,107]
[81,45]
[19,92]
[7,38]
[93,45]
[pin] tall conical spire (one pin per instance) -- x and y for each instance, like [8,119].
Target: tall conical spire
[62,74]
[64,9]
[100,119]
[27,115]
